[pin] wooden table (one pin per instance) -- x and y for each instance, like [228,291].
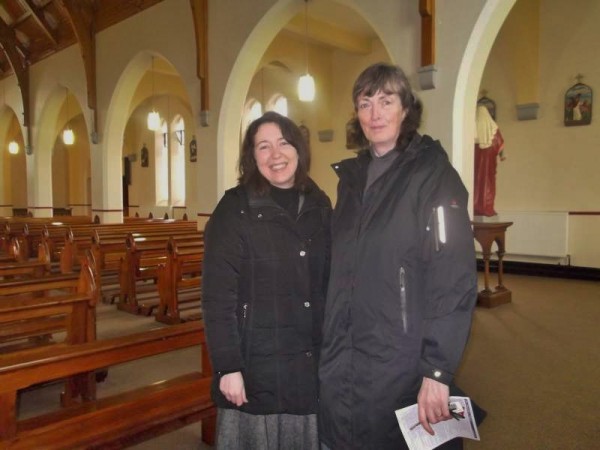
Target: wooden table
[486,233]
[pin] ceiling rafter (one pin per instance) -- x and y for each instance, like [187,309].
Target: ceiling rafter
[200,16]
[81,15]
[38,15]
[13,41]
[8,40]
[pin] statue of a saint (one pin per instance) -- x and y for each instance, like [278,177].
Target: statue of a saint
[489,145]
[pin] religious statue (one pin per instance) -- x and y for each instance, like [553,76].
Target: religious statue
[489,146]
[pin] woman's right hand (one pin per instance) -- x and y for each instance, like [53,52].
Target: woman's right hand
[232,387]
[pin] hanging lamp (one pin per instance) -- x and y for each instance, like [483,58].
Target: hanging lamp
[68,136]
[13,147]
[153,116]
[306,83]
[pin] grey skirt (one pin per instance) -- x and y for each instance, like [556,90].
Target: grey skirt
[237,430]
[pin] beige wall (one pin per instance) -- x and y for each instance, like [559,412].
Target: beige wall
[60,176]
[550,167]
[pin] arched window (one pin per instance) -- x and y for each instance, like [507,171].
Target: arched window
[279,104]
[178,163]
[169,149]
[161,156]
[252,111]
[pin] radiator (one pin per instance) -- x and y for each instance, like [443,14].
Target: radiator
[536,233]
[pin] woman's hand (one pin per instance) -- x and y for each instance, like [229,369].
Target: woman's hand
[433,403]
[232,387]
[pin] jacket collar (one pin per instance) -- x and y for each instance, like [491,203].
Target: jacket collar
[265,205]
[354,170]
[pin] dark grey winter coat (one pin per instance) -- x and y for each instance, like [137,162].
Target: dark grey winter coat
[399,304]
[264,283]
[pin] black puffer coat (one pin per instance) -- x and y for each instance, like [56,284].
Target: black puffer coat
[264,283]
[399,304]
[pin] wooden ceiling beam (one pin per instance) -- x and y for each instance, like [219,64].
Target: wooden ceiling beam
[427,12]
[38,15]
[20,47]
[200,15]
[81,15]
[109,13]
[8,40]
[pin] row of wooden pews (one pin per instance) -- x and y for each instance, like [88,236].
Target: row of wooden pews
[43,297]
[32,307]
[36,307]
[28,230]
[126,260]
[149,278]
[113,422]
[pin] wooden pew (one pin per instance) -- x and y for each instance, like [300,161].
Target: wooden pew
[11,252]
[27,269]
[29,229]
[69,243]
[138,272]
[35,317]
[22,267]
[17,234]
[32,231]
[37,307]
[32,310]
[78,239]
[112,422]
[179,279]
[109,252]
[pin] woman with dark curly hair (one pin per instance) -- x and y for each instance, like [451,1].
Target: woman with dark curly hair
[265,275]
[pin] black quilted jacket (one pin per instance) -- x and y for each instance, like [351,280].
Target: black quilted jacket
[264,284]
[399,305]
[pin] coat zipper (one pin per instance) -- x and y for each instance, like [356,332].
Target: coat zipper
[402,276]
[244,316]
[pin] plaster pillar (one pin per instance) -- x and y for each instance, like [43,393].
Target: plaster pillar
[39,182]
[107,191]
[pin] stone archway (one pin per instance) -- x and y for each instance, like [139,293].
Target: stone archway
[126,99]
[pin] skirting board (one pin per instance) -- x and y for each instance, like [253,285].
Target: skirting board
[544,270]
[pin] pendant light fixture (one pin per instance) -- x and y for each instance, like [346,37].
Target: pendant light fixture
[306,83]
[13,147]
[68,135]
[153,116]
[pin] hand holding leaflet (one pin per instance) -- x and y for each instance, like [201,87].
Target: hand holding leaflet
[418,439]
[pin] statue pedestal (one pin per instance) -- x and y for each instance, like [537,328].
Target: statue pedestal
[486,233]
[486,219]
[497,297]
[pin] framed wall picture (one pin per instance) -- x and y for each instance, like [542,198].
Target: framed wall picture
[578,105]
[193,149]
[145,156]
[305,134]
